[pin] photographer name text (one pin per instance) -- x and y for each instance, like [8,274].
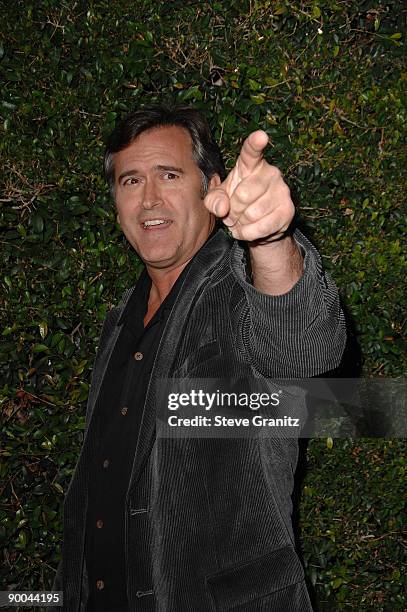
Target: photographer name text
[223,421]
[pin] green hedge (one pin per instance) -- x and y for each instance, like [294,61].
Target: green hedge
[325,79]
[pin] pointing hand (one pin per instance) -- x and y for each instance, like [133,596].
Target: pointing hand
[253,200]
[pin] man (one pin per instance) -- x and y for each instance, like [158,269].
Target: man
[195,524]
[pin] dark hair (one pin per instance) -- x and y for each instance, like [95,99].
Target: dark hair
[205,150]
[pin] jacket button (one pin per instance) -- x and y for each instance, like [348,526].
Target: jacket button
[99,524]
[138,356]
[100,585]
[105,463]
[124,410]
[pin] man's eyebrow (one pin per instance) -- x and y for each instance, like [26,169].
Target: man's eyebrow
[160,168]
[169,169]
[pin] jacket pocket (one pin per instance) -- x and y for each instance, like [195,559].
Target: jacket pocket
[277,570]
[194,360]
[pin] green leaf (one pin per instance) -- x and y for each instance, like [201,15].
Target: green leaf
[316,12]
[43,327]
[22,539]
[40,348]
[38,223]
[258,99]
[58,487]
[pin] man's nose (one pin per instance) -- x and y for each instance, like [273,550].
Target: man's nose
[151,195]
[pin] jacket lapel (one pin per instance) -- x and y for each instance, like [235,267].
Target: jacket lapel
[198,276]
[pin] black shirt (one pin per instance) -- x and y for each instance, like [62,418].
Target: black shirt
[117,418]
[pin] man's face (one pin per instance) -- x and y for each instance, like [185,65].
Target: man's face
[158,197]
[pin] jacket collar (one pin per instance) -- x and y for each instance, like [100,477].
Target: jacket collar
[143,284]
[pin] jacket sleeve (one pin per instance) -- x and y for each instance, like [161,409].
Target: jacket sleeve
[298,334]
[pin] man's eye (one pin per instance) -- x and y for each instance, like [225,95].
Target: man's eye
[132,180]
[170,176]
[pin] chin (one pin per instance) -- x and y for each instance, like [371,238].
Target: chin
[158,260]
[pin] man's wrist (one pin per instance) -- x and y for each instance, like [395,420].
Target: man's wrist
[271,238]
[277,265]
[275,255]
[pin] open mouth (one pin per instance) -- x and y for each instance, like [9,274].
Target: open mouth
[155,224]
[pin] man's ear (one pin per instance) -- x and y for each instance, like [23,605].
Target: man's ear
[118,219]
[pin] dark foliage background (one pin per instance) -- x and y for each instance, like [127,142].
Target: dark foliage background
[326,80]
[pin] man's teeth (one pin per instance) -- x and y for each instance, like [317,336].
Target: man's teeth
[154,222]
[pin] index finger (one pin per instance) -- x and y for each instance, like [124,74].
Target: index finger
[251,153]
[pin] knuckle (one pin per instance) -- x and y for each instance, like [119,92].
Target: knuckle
[284,197]
[276,173]
[251,213]
[286,190]
[243,193]
[285,200]
[288,215]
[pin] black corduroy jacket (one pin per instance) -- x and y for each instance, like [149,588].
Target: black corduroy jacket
[208,521]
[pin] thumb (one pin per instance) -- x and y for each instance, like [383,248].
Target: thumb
[217,202]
